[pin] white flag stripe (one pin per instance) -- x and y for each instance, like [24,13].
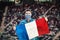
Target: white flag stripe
[31,29]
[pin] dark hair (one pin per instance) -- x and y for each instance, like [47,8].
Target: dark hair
[27,10]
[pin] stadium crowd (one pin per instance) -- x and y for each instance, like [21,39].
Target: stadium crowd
[37,10]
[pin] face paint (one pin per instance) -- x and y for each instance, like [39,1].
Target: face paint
[28,15]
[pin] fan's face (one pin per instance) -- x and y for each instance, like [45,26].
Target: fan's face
[28,13]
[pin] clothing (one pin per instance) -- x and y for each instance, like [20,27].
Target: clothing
[21,31]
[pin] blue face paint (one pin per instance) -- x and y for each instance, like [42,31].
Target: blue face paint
[28,16]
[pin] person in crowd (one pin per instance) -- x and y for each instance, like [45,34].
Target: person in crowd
[21,33]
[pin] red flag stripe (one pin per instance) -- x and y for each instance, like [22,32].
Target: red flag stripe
[42,26]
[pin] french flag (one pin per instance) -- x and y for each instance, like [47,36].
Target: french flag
[37,28]
[32,29]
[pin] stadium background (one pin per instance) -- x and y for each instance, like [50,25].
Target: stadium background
[12,12]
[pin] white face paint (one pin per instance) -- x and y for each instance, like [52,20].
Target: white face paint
[28,13]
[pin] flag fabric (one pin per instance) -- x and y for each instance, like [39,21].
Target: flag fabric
[26,31]
[37,28]
[42,26]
